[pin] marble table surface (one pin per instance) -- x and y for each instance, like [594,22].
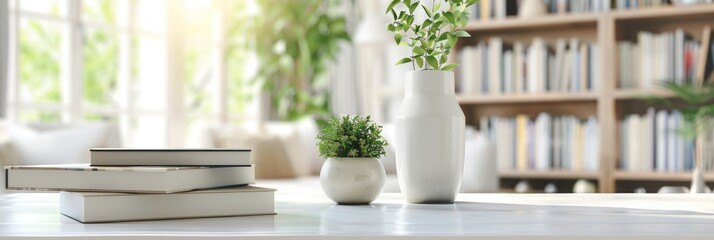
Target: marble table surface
[305,213]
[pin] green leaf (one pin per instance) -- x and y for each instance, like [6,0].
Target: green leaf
[432,62]
[452,39]
[418,51]
[419,61]
[449,66]
[413,7]
[428,12]
[391,5]
[403,61]
[398,38]
[462,33]
[450,16]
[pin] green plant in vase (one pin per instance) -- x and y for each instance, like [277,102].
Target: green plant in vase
[352,173]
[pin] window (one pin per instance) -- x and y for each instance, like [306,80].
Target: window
[155,67]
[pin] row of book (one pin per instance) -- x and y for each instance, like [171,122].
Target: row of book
[544,143]
[650,142]
[486,10]
[498,67]
[133,184]
[635,4]
[667,56]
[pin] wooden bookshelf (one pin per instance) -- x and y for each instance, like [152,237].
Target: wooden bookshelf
[551,174]
[608,103]
[658,176]
[527,98]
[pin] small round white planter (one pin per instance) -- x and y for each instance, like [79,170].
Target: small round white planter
[352,180]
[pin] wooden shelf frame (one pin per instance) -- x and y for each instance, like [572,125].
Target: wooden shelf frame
[527,98]
[607,28]
[549,174]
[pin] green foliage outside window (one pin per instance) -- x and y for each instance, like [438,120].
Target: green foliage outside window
[40,68]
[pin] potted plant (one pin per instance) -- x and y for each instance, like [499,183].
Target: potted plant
[352,173]
[697,114]
[430,125]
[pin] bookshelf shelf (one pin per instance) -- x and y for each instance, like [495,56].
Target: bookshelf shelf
[546,22]
[658,176]
[527,98]
[551,174]
[609,104]
[665,13]
[633,94]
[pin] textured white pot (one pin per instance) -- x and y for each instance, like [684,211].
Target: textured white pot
[352,180]
[430,138]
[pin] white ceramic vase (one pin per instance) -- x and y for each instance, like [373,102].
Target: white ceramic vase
[352,180]
[430,138]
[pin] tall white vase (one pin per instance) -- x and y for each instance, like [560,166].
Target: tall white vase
[430,138]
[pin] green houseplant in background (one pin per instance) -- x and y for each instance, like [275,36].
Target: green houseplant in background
[294,41]
[430,125]
[697,113]
[352,173]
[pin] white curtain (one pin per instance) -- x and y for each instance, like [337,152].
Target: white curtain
[4,39]
[344,94]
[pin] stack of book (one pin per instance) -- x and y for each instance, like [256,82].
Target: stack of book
[544,143]
[498,67]
[651,143]
[149,184]
[666,56]
[486,10]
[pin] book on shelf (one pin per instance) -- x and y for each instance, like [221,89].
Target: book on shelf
[169,157]
[666,56]
[636,4]
[544,143]
[650,142]
[487,10]
[499,67]
[93,207]
[82,177]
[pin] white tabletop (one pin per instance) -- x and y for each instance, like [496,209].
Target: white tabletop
[304,213]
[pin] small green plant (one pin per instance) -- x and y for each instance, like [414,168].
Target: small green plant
[431,40]
[351,137]
[699,108]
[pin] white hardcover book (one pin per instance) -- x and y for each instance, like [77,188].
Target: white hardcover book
[679,56]
[486,66]
[467,76]
[519,63]
[169,157]
[645,148]
[476,87]
[592,146]
[542,143]
[506,74]
[624,149]
[644,39]
[672,141]
[92,207]
[495,46]
[82,177]
[680,144]
[557,143]
[560,45]
[464,70]
[575,64]
[661,136]
[636,65]
[633,124]
[594,66]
